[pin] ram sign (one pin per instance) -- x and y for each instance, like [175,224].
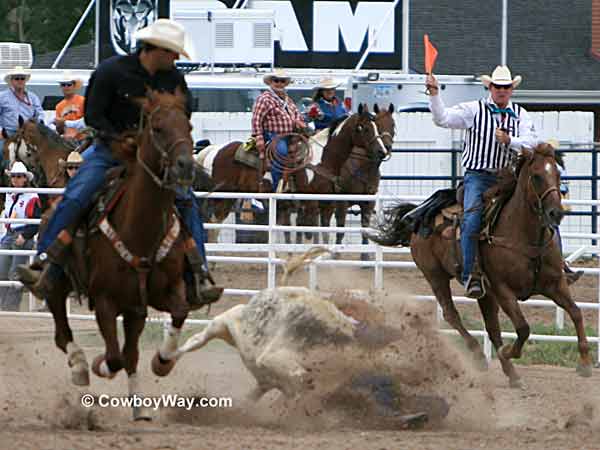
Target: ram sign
[311,34]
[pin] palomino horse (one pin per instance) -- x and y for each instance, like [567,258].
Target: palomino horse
[360,173]
[358,130]
[371,137]
[520,258]
[142,263]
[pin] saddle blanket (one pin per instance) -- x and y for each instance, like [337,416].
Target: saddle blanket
[206,157]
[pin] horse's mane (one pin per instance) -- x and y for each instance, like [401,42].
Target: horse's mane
[52,136]
[335,123]
[508,177]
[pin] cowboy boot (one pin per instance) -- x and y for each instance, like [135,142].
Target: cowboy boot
[46,269]
[199,292]
[474,285]
[570,274]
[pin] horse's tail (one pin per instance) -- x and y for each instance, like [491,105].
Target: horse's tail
[394,230]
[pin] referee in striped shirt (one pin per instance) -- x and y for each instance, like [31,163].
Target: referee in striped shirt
[495,128]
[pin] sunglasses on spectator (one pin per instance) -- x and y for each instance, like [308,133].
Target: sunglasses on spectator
[72,167]
[17,175]
[502,86]
[68,84]
[279,80]
[19,78]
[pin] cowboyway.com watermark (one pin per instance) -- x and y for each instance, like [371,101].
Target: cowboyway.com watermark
[162,401]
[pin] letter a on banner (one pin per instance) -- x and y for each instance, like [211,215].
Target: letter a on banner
[430,54]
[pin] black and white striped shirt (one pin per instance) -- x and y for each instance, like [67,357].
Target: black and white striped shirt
[481,151]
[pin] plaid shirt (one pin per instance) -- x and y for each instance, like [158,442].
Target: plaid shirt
[274,114]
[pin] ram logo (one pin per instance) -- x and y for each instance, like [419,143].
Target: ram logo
[128,16]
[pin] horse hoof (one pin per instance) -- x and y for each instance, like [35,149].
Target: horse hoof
[516,383]
[161,367]
[505,351]
[141,413]
[584,370]
[98,360]
[80,377]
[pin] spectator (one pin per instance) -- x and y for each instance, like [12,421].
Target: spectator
[71,165]
[70,111]
[18,236]
[17,101]
[326,107]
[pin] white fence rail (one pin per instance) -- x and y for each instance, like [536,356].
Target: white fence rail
[274,245]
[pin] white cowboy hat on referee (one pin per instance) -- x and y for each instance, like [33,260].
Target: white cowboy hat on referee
[17,70]
[327,83]
[68,77]
[277,73]
[164,33]
[19,168]
[502,77]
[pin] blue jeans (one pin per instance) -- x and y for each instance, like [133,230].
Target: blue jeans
[475,184]
[89,179]
[282,150]
[10,297]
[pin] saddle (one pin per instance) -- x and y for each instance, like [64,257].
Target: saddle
[247,154]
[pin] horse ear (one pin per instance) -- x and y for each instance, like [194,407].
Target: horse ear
[360,108]
[21,121]
[4,134]
[376,108]
[391,108]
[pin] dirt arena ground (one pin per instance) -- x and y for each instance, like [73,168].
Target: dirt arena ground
[41,409]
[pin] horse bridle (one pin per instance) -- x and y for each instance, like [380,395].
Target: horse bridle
[164,153]
[538,207]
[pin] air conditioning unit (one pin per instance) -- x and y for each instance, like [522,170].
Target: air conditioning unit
[15,54]
[226,37]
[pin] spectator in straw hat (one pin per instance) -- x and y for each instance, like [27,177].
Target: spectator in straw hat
[70,110]
[18,236]
[326,107]
[17,101]
[275,114]
[71,165]
[110,110]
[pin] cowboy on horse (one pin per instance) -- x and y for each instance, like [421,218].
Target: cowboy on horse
[109,109]
[326,108]
[496,128]
[274,117]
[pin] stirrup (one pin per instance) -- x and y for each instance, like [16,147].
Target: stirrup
[199,293]
[475,288]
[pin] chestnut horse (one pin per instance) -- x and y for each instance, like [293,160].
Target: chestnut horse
[520,258]
[372,142]
[359,130]
[360,174]
[144,227]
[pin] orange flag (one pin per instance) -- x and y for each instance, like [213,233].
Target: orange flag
[430,54]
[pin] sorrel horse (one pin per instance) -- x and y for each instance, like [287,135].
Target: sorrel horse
[365,136]
[143,225]
[520,258]
[358,130]
[360,173]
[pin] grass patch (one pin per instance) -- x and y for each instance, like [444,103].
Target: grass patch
[563,354]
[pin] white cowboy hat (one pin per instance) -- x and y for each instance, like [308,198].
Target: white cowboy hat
[164,33]
[277,73]
[73,159]
[17,70]
[327,83]
[553,142]
[502,77]
[19,168]
[68,77]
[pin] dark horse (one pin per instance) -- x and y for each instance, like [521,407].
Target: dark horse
[520,258]
[144,225]
[358,130]
[360,173]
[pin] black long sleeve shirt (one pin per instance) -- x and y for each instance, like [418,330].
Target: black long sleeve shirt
[108,105]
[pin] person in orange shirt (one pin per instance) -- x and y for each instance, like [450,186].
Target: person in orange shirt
[70,111]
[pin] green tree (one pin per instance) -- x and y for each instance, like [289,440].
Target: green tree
[45,24]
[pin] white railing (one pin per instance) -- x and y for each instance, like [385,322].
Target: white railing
[378,263]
